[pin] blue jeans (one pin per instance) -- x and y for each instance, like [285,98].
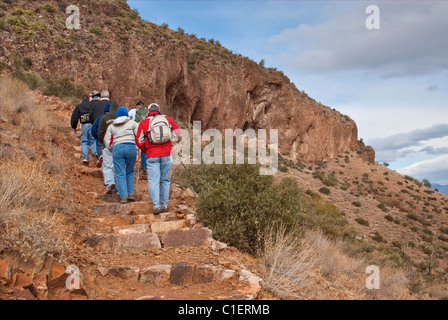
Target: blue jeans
[159,169]
[86,140]
[108,167]
[99,148]
[143,165]
[125,156]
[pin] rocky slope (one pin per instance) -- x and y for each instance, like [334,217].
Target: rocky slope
[192,79]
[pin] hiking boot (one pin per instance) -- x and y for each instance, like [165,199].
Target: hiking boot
[99,163]
[85,162]
[157,211]
[131,198]
[124,200]
[110,188]
[163,209]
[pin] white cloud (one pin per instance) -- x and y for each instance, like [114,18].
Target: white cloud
[411,41]
[409,139]
[435,170]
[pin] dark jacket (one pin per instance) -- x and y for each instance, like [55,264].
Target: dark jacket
[80,109]
[97,109]
[95,126]
[105,121]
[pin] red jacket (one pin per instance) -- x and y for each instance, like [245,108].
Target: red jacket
[153,150]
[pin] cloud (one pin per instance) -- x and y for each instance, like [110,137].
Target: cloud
[409,139]
[435,170]
[433,88]
[411,41]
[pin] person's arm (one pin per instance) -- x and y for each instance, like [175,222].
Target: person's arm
[95,128]
[109,138]
[75,117]
[140,136]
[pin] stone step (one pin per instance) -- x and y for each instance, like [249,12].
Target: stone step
[136,208]
[187,238]
[124,242]
[186,273]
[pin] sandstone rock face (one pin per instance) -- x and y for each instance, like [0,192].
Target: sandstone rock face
[191,79]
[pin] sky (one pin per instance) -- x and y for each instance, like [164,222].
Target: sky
[391,79]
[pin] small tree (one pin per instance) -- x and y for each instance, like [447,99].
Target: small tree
[426,183]
[262,63]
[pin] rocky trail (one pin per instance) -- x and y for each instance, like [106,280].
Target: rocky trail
[127,252]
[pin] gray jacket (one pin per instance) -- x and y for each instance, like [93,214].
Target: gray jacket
[122,130]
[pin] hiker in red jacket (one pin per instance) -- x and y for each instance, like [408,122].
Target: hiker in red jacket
[154,138]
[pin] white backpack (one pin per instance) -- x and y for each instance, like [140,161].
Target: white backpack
[159,130]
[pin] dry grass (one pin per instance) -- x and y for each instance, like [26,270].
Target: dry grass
[19,109]
[288,263]
[14,99]
[316,267]
[32,192]
[26,193]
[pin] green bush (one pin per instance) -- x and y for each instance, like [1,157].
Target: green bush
[356,204]
[382,206]
[96,31]
[63,88]
[362,222]
[378,237]
[49,7]
[389,218]
[239,204]
[324,190]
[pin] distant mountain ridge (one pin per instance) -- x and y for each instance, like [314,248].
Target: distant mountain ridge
[442,189]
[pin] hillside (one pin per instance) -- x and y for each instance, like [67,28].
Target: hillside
[193,79]
[351,212]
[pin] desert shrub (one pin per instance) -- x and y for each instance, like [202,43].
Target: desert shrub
[49,7]
[356,204]
[96,31]
[324,190]
[378,237]
[362,222]
[389,218]
[63,88]
[382,206]
[239,204]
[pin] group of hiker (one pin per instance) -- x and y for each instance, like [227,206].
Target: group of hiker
[115,134]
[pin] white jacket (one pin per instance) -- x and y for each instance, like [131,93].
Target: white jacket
[122,130]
